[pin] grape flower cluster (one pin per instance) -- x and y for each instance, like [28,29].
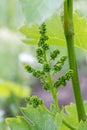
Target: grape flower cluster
[50,66]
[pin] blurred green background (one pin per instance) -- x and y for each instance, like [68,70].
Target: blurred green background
[13,55]
[14,81]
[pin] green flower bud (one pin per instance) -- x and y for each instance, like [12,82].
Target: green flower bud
[46,86]
[46,67]
[28,99]
[63,80]
[34,101]
[43,29]
[57,84]
[57,68]
[63,58]
[54,54]
[41,42]
[45,46]
[69,75]
[38,73]
[29,68]
[40,60]
[39,52]
[46,37]
[60,81]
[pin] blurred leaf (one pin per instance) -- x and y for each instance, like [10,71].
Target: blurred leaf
[6,88]
[36,11]
[56,33]
[2,12]
[9,13]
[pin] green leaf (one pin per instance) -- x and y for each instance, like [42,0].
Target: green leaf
[71,116]
[82,126]
[36,119]
[42,119]
[36,11]
[56,33]
[19,123]
[80,26]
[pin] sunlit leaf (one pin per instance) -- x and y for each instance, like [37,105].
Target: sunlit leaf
[80,27]
[56,33]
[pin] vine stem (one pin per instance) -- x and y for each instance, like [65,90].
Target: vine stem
[69,34]
[54,94]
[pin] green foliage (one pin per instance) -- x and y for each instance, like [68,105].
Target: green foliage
[82,126]
[41,118]
[71,117]
[3,126]
[10,49]
[80,25]
[7,88]
[9,13]
[37,11]
[36,119]
[19,123]
[11,95]
[55,31]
